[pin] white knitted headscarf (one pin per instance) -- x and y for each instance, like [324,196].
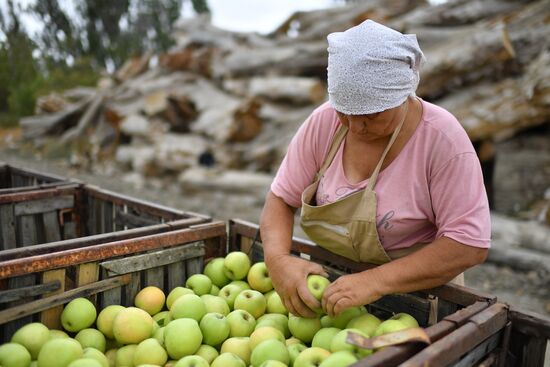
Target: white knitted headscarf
[371,68]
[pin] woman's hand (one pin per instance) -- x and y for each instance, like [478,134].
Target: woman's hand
[289,276]
[350,291]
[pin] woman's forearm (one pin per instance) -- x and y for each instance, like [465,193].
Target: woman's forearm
[276,226]
[434,265]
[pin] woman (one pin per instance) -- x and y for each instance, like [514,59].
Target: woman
[381,176]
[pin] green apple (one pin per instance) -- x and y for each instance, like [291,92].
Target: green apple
[85,362]
[241,323]
[214,270]
[294,351]
[159,335]
[199,283]
[340,343]
[58,334]
[264,333]
[59,352]
[317,285]
[311,357]
[251,301]
[160,318]
[341,320]
[78,314]
[125,355]
[275,303]
[271,349]
[390,326]
[272,363]
[214,290]
[14,355]
[258,278]
[215,304]
[236,265]
[339,359]
[367,323]
[188,306]
[326,321]
[182,337]
[323,337]
[150,351]
[105,319]
[32,336]
[192,361]
[208,352]
[406,319]
[239,346]
[278,320]
[292,340]
[111,356]
[229,293]
[215,328]
[241,284]
[132,325]
[97,355]
[175,294]
[303,328]
[91,338]
[228,360]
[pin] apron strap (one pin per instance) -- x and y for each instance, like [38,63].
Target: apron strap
[374,176]
[336,140]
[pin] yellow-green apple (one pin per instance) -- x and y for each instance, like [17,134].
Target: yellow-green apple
[175,294]
[160,317]
[59,352]
[280,321]
[292,340]
[105,319]
[317,285]
[91,338]
[192,361]
[14,355]
[215,304]
[214,290]
[150,351]
[275,303]
[241,284]
[271,349]
[340,343]
[311,357]
[111,356]
[199,283]
[367,323]
[84,362]
[236,265]
[341,320]
[390,326]
[326,321]
[239,346]
[97,355]
[339,359]
[182,337]
[229,293]
[258,278]
[150,299]
[188,306]
[241,323]
[159,335]
[214,270]
[251,301]
[264,333]
[228,360]
[303,328]
[323,337]
[32,336]
[215,328]
[294,351]
[406,319]
[208,352]
[272,363]
[132,325]
[58,334]
[78,314]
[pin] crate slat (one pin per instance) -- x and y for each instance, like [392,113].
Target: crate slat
[30,291]
[176,275]
[7,221]
[43,205]
[154,277]
[132,288]
[111,296]
[478,353]
[52,316]
[52,231]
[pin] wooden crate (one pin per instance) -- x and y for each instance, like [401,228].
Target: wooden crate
[16,179]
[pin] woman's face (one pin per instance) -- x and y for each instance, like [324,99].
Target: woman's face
[373,126]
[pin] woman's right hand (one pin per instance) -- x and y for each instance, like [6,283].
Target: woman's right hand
[289,277]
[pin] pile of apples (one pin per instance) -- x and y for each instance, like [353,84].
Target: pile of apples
[229,316]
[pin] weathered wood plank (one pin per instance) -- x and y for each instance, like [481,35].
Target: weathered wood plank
[131,289]
[417,307]
[52,316]
[27,231]
[154,259]
[109,297]
[478,353]
[98,211]
[7,224]
[154,277]
[91,224]
[108,217]
[194,266]
[128,220]
[176,275]
[16,283]
[31,291]
[43,205]
[51,226]
[87,273]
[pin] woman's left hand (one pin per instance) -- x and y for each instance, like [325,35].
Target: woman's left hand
[350,291]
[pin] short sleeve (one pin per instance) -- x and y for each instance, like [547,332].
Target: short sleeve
[459,201]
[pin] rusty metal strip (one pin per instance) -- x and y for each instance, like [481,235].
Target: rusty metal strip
[39,194]
[461,295]
[60,259]
[33,307]
[453,346]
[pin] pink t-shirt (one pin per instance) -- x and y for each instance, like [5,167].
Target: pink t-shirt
[433,188]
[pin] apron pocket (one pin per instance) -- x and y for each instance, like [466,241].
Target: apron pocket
[332,237]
